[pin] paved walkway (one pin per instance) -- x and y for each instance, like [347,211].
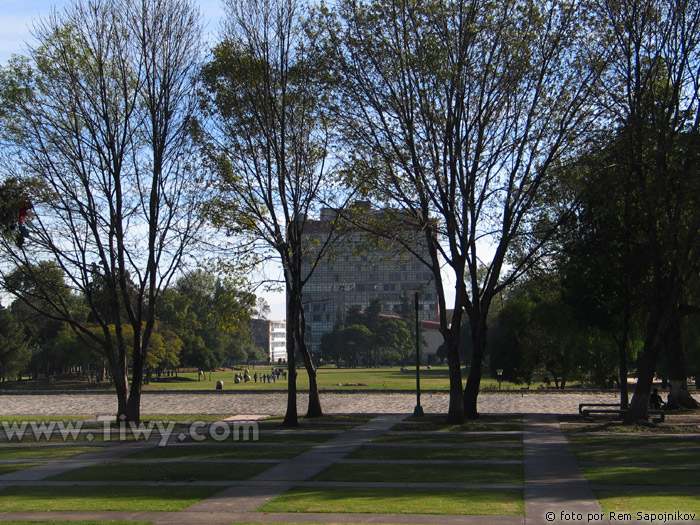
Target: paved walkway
[229,402]
[554,488]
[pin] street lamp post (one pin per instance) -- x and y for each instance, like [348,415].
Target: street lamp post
[418,411]
[499,371]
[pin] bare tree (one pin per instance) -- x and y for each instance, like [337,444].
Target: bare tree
[98,119]
[269,141]
[461,113]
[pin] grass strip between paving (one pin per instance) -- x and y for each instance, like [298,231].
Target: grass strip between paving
[421,473]
[646,502]
[234,451]
[435,453]
[637,440]
[14,467]
[449,438]
[44,452]
[204,471]
[629,455]
[651,475]
[102,498]
[482,502]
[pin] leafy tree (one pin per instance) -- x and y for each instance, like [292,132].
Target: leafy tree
[42,288]
[14,352]
[369,338]
[210,317]
[603,260]
[394,340]
[652,99]
[98,117]
[256,354]
[553,336]
[508,350]
[163,353]
[346,344]
[462,114]
[268,141]
[14,206]
[537,330]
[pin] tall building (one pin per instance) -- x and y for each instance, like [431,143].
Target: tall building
[358,270]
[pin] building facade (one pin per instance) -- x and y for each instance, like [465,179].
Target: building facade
[278,341]
[271,337]
[358,270]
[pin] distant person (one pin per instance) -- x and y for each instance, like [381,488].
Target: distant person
[655,401]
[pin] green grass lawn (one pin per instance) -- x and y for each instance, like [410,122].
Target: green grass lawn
[308,426]
[134,498]
[14,467]
[435,453]
[329,378]
[655,476]
[471,426]
[436,423]
[636,441]
[421,473]
[399,501]
[633,502]
[355,419]
[164,472]
[43,452]
[609,460]
[614,454]
[236,451]
[292,436]
[450,437]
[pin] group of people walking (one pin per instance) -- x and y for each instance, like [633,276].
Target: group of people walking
[272,377]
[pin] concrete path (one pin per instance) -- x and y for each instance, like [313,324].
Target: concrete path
[248,496]
[555,489]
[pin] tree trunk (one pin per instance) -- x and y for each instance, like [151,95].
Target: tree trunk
[455,412]
[663,305]
[678,397]
[121,385]
[314,408]
[622,355]
[471,392]
[639,407]
[133,407]
[291,418]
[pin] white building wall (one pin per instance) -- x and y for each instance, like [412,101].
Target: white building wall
[278,341]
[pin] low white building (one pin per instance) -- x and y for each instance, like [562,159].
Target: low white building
[278,341]
[271,337]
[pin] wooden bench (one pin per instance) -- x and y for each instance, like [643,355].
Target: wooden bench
[587,409]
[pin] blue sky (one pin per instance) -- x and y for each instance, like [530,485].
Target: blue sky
[16,18]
